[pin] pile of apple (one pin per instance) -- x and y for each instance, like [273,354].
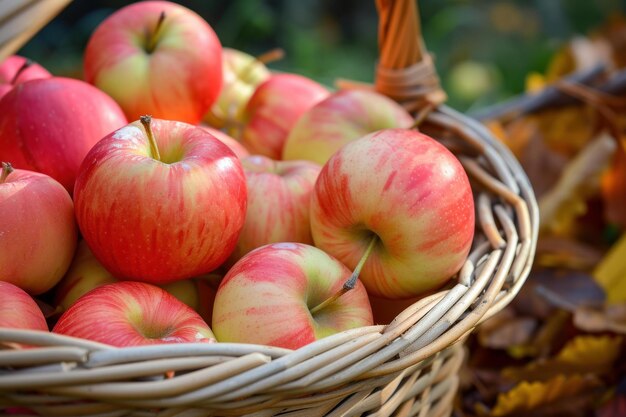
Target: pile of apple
[259,203]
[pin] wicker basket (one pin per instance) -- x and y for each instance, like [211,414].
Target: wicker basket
[407,368]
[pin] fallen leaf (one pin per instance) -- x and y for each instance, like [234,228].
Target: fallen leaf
[611,272]
[567,130]
[545,398]
[573,288]
[581,355]
[505,329]
[549,335]
[616,406]
[611,318]
[560,206]
[559,252]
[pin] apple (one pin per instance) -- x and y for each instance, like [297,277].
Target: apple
[229,141]
[16,69]
[274,109]
[271,295]
[49,125]
[160,201]
[406,194]
[241,75]
[37,230]
[86,273]
[132,314]
[279,197]
[18,310]
[341,118]
[158,58]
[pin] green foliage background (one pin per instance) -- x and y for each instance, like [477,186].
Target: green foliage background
[484,48]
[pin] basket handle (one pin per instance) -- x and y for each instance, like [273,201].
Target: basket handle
[405,71]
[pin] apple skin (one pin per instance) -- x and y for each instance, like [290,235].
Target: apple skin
[279,200]
[49,125]
[229,141]
[160,221]
[86,273]
[266,298]
[37,231]
[241,74]
[132,314]
[412,193]
[10,67]
[18,310]
[179,80]
[274,109]
[339,119]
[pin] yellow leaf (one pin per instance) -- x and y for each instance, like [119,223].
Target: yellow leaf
[581,355]
[611,272]
[597,352]
[527,396]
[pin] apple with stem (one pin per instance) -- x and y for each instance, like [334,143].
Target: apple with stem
[158,58]
[132,314]
[37,230]
[160,201]
[279,197]
[278,295]
[49,125]
[16,69]
[274,109]
[407,193]
[339,119]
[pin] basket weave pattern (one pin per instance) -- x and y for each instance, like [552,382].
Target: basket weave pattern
[406,368]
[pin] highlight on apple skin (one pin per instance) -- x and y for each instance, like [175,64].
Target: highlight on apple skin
[268,297]
[132,314]
[409,193]
[160,203]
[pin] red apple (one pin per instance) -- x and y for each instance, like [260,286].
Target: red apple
[274,109]
[49,125]
[158,58]
[16,69]
[409,194]
[18,310]
[339,119]
[160,202]
[37,230]
[132,314]
[229,141]
[268,297]
[279,197]
[241,75]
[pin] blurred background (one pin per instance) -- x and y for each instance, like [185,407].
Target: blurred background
[484,49]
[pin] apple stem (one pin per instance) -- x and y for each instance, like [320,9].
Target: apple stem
[145,121]
[154,36]
[19,72]
[351,282]
[7,168]
[272,55]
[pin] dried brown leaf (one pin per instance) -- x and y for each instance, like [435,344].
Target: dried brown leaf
[560,252]
[505,330]
[611,318]
[614,189]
